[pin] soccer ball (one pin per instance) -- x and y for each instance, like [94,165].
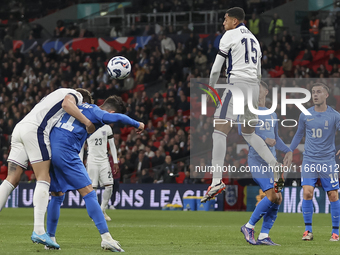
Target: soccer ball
[119,67]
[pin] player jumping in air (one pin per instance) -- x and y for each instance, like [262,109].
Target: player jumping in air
[269,205]
[241,51]
[31,141]
[68,171]
[319,157]
[98,165]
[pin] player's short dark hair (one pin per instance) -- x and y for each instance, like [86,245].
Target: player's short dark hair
[114,103]
[237,13]
[87,98]
[265,85]
[321,85]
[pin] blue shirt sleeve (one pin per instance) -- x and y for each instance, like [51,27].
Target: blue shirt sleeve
[299,133]
[97,115]
[280,145]
[109,118]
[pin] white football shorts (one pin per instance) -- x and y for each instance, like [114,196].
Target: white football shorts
[29,143]
[100,172]
[225,111]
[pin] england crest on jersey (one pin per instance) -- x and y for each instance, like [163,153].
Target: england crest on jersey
[104,133]
[231,194]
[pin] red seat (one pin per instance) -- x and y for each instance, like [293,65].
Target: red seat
[3,172]
[3,169]
[139,87]
[305,62]
[29,173]
[329,52]
[298,58]
[315,68]
[156,144]
[313,53]
[319,55]
[125,96]
[181,177]
[100,101]
[186,113]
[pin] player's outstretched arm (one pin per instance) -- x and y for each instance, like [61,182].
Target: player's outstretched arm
[70,106]
[109,118]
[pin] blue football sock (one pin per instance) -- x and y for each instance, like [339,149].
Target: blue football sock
[94,211]
[269,218]
[335,213]
[53,213]
[307,211]
[260,210]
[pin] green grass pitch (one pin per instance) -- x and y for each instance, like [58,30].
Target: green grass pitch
[165,232]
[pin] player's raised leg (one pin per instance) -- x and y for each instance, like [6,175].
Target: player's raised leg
[95,212]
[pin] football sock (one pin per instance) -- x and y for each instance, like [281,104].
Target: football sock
[260,147]
[53,213]
[307,211]
[218,154]
[40,202]
[6,189]
[262,236]
[269,219]
[95,212]
[335,213]
[260,210]
[106,236]
[106,197]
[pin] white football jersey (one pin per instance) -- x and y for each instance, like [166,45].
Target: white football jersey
[242,52]
[97,145]
[48,111]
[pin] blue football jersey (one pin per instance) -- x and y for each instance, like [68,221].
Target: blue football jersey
[71,133]
[268,128]
[319,130]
